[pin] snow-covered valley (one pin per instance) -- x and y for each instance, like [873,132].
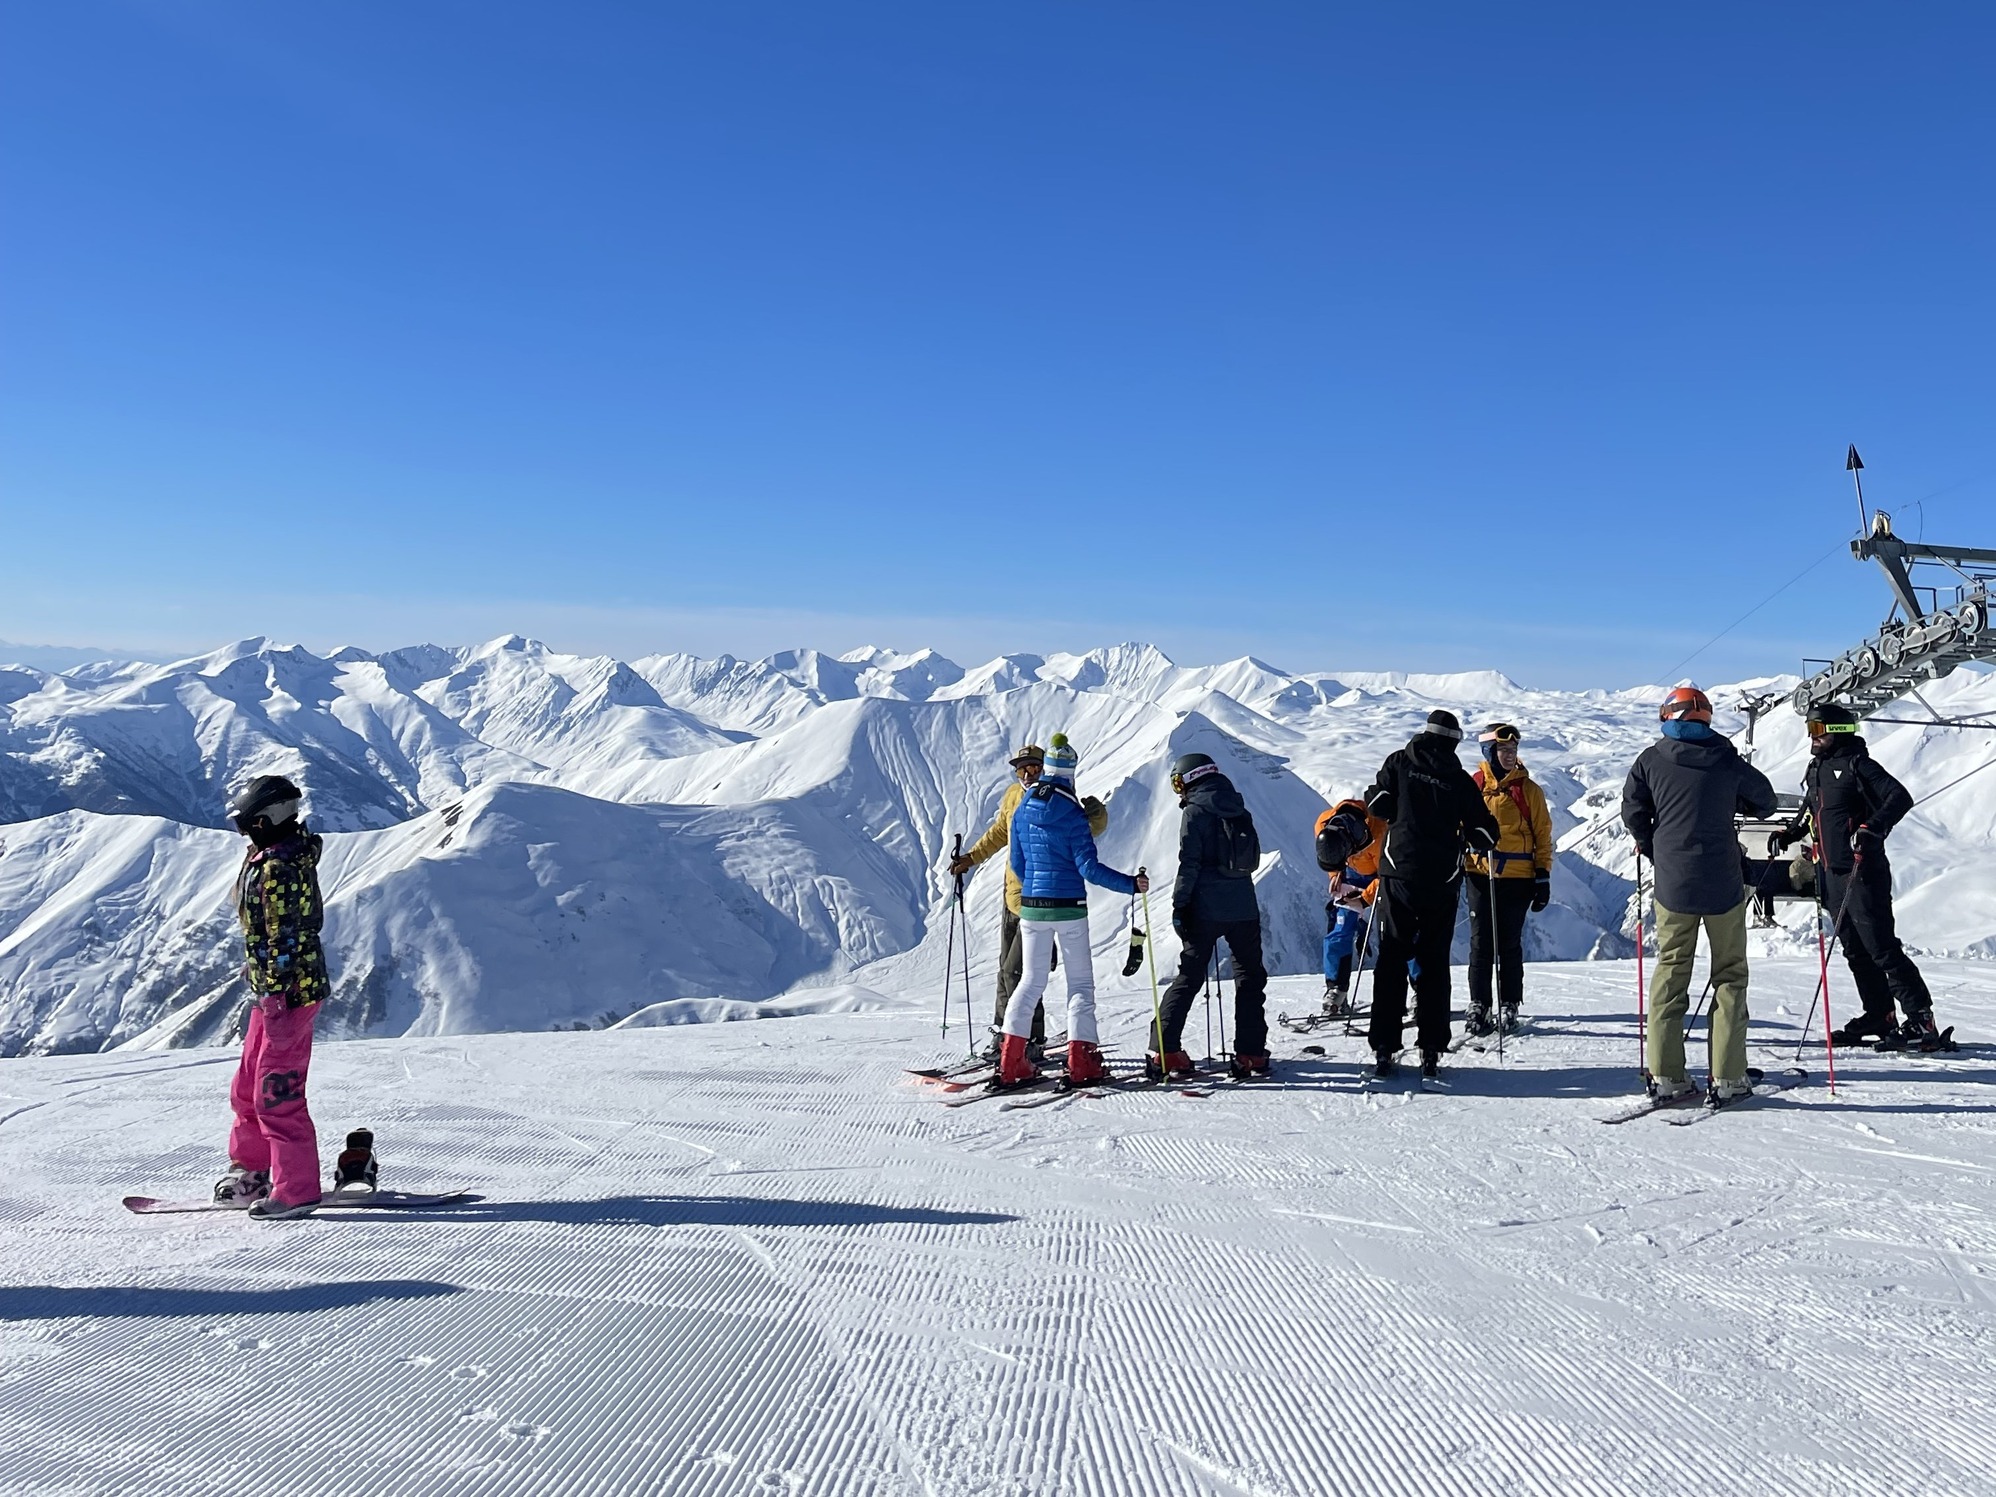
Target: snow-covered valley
[522,839]
[754,1258]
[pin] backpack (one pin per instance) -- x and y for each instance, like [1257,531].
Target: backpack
[1240,847]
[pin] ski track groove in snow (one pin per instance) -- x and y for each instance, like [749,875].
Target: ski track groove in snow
[695,1268]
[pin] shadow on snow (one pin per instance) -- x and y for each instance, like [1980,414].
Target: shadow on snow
[54,1302]
[702,1211]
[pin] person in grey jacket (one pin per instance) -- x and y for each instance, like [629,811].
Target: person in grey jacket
[1679,803]
[1213,900]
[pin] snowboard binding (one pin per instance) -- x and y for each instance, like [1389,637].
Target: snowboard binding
[355,1170]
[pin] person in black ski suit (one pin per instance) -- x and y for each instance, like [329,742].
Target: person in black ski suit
[1853,804]
[1432,809]
[1213,900]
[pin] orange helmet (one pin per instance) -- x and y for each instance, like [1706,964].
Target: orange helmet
[1686,703]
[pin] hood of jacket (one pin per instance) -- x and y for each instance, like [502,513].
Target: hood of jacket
[1431,750]
[1697,753]
[1215,793]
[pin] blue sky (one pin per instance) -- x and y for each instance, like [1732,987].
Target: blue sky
[1439,337]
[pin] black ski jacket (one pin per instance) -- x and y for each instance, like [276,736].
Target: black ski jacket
[1429,804]
[1845,789]
[1678,803]
[1211,888]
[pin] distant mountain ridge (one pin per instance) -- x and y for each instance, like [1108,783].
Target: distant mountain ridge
[519,837]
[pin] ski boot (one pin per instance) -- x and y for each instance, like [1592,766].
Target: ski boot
[355,1170]
[1084,1064]
[1248,1067]
[1015,1067]
[1507,1018]
[1175,1066]
[1663,1089]
[242,1187]
[1478,1023]
[1918,1033]
[1864,1029]
[1431,1064]
[1384,1065]
[1719,1093]
[1337,1001]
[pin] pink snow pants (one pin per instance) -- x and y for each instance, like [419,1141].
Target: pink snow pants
[273,1131]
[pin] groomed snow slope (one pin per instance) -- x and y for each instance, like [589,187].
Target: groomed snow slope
[750,1258]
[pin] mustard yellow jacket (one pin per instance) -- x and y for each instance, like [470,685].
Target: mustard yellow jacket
[1524,844]
[999,834]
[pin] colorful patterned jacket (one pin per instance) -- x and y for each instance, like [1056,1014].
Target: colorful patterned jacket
[277,901]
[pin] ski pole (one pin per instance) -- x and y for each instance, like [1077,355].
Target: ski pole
[1497,957]
[1211,963]
[949,950]
[1642,1028]
[1822,993]
[1691,1019]
[1364,950]
[1150,957]
[1220,993]
[969,1008]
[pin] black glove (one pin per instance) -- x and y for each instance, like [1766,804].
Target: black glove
[1178,923]
[1541,890]
[1864,840]
[1482,839]
[1781,841]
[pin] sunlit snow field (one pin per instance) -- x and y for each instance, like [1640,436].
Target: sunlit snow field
[754,1258]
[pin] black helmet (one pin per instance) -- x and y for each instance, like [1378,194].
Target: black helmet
[1189,767]
[270,797]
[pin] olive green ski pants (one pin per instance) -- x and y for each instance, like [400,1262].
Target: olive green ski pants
[1676,946]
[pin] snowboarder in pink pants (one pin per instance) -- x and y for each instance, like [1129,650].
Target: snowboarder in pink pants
[273,1150]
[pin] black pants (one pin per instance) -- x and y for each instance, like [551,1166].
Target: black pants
[1243,938]
[1417,921]
[1012,966]
[1878,963]
[1514,902]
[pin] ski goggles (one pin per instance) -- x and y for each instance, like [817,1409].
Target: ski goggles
[1500,733]
[1180,781]
[1818,727]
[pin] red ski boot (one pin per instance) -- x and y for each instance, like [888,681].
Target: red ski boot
[1015,1068]
[1176,1066]
[1084,1064]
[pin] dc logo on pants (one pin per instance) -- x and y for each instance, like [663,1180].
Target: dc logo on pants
[282,1086]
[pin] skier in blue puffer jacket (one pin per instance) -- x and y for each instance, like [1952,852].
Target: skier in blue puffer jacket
[1053,853]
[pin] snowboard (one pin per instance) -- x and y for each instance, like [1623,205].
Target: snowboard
[338,1200]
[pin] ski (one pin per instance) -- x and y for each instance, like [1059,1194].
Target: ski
[336,1200]
[947,1081]
[983,1090]
[1649,1105]
[1763,1086]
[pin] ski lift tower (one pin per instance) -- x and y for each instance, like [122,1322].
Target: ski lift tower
[1929,631]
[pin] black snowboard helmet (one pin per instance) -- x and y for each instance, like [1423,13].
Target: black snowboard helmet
[1189,767]
[269,798]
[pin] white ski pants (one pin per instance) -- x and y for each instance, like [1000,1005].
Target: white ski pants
[1077,963]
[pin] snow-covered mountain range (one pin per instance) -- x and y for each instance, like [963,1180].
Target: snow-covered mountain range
[523,839]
